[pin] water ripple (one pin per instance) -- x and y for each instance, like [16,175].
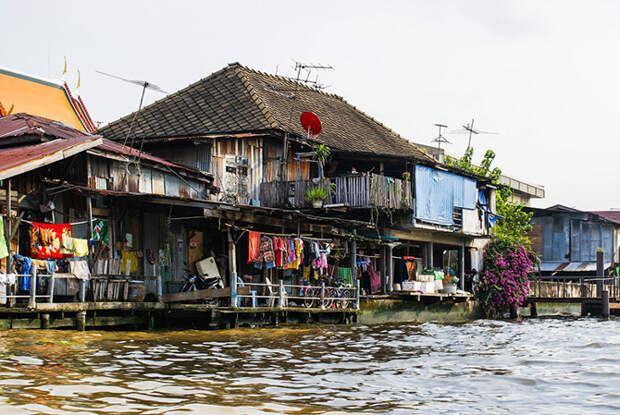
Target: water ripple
[541,365]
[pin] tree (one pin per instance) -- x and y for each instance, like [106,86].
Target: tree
[508,258]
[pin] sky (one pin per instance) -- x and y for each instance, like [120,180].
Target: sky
[542,74]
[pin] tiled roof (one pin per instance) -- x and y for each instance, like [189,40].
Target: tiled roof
[237,99]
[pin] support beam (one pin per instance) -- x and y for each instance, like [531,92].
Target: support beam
[462,267]
[32,301]
[354,258]
[429,255]
[232,269]
[390,268]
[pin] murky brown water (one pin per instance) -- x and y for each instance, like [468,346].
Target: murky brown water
[543,366]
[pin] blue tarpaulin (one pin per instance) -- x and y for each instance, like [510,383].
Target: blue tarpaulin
[437,193]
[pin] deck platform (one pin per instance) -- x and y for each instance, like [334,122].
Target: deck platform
[149,315]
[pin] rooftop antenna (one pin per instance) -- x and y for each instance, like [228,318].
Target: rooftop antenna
[308,68]
[144,85]
[469,129]
[440,138]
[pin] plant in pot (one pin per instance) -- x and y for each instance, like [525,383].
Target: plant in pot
[317,196]
[321,154]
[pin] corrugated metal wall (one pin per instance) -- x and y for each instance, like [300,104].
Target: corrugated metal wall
[437,193]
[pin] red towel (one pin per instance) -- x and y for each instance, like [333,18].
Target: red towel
[45,240]
[253,245]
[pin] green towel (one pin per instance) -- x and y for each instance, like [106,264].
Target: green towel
[345,275]
[3,250]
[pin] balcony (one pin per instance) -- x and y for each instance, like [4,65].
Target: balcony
[354,191]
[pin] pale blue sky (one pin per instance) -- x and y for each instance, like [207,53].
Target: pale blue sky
[543,74]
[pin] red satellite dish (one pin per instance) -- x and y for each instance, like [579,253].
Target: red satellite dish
[311,123]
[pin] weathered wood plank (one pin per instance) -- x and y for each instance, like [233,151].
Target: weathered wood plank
[202,294]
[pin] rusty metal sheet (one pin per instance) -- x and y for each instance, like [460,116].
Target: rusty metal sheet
[158,182]
[146,182]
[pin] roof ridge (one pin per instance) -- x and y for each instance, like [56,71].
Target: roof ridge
[239,66]
[167,97]
[285,79]
[238,69]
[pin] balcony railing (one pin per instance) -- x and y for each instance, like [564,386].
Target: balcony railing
[356,191]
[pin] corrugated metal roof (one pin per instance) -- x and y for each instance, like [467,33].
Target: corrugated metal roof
[21,124]
[18,160]
[111,146]
[553,266]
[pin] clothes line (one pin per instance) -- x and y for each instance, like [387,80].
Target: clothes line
[284,235]
[69,223]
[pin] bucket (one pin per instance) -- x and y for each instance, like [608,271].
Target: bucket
[396,287]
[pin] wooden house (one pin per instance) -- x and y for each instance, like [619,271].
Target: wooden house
[243,127]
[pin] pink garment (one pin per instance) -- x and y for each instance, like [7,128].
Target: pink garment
[375,280]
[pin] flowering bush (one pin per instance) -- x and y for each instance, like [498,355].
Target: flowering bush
[504,282]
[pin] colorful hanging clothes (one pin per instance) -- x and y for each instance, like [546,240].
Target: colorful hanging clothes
[81,247]
[280,252]
[375,280]
[79,269]
[25,263]
[345,275]
[253,246]
[411,270]
[45,239]
[4,252]
[100,230]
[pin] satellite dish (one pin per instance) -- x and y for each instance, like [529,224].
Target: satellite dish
[310,123]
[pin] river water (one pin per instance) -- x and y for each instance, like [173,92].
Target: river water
[554,365]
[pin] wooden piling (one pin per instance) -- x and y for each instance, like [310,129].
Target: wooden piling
[80,320]
[605,304]
[600,271]
[533,309]
[45,321]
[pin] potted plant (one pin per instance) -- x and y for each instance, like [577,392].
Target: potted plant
[321,154]
[317,196]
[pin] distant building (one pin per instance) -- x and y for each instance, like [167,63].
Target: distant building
[567,239]
[22,93]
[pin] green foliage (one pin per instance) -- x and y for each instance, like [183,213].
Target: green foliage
[321,153]
[465,164]
[513,223]
[316,193]
[332,189]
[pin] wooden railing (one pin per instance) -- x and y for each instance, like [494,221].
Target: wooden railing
[358,191]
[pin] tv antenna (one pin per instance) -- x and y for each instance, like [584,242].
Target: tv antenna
[440,138]
[144,85]
[469,129]
[308,68]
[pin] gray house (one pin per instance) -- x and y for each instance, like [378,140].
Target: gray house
[567,240]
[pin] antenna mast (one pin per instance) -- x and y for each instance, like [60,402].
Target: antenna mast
[440,138]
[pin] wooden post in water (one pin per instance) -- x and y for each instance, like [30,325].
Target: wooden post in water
[533,309]
[605,303]
[322,295]
[80,320]
[45,321]
[32,302]
[600,271]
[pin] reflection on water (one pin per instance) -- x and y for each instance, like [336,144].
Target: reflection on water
[542,365]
